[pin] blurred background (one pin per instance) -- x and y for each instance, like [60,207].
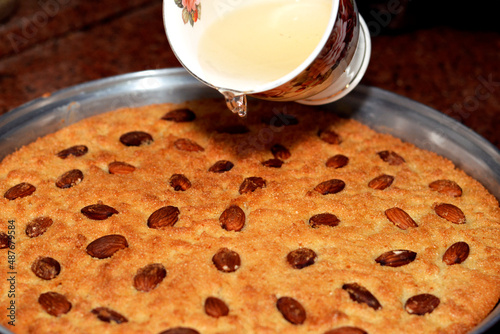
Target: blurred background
[423,14]
[445,54]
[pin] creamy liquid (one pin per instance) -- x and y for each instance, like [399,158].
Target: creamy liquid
[261,42]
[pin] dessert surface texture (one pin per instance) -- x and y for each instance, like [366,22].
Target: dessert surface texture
[184,218]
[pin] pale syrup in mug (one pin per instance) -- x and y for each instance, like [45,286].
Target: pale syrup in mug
[261,42]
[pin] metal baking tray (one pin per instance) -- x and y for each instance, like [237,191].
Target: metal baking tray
[381,110]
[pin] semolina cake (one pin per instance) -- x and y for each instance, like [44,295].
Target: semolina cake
[184,218]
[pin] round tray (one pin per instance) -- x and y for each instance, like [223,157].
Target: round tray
[381,110]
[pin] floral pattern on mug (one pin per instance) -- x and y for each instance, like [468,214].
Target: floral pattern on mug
[319,74]
[191,10]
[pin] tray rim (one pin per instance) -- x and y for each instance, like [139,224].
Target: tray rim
[98,84]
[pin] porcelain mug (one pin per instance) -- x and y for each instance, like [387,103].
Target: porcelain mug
[332,70]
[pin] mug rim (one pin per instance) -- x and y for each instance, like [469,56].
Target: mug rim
[275,83]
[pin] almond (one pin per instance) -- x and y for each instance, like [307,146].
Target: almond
[19,191]
[107,315]
[250,184]
[400,218]
[215,307]
[332,186]
[180,330]
[148,278]
[120,168]
[396,258]
[164,217]
[54,303]
[280,152]
[4,240]
[221,166]
[272,163]
[69,179]
[180,182]
[232,219]
[450,212]
[326,219]
[226,260]
[346,330]
[46,268]
[98,211]
[136,138]
[38,226]
[337,161]
[291,310]
[381,182]
[184,144]
[422,304]
[446,187]
[76,151]
[392,158]
[301,258]
[106,246]
[360,294]
[456,253]
[179,115]
[330,137]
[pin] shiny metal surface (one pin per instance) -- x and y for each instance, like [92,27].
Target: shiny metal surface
[379,109]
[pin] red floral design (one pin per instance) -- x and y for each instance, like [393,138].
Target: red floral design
[191,10]
[190,5]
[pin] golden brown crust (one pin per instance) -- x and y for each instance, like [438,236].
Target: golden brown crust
[276,223]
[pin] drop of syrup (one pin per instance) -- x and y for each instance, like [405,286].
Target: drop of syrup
[236,102]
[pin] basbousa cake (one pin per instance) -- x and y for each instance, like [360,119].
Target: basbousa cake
[183,218]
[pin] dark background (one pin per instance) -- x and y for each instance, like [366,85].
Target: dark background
[425,14]
[444,54]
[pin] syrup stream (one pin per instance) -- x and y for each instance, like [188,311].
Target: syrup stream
[236,102]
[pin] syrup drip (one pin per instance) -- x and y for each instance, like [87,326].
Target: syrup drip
[236,102]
